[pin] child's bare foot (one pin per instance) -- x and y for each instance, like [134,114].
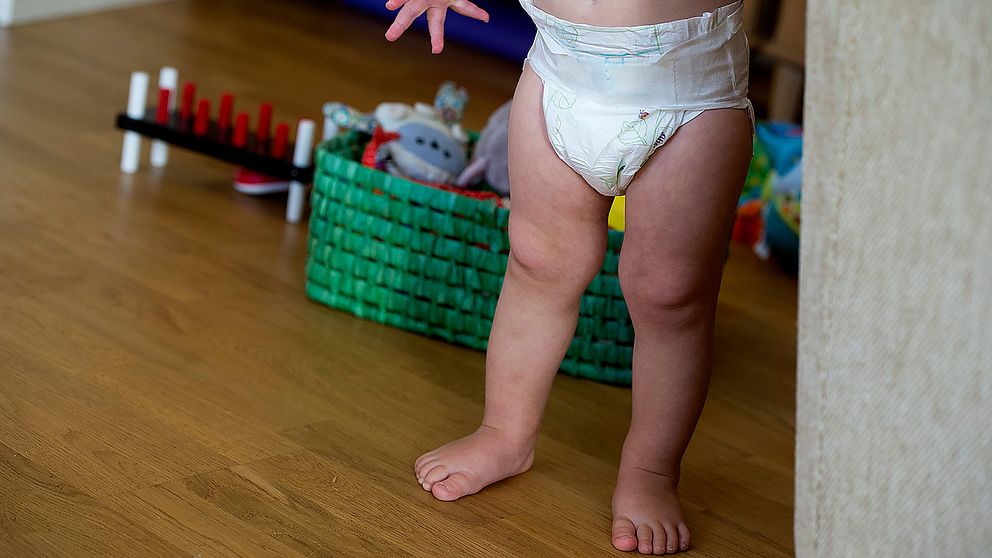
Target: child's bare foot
[647,515]
[472,463]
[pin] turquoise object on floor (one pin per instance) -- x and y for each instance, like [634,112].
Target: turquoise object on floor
[783,142]
[782,231]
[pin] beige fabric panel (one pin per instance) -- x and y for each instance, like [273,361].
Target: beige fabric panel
[894,447]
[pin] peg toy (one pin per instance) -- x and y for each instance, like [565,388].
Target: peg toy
[191,127]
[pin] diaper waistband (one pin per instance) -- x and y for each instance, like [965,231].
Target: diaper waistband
[646,40]
[698,63]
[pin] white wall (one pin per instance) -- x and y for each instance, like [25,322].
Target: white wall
[894,424]
[23,11]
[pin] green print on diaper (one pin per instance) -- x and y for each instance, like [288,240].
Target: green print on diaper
[635,132]
[659,42]
[561,99]
[555,136]
[568,34]
[611,182]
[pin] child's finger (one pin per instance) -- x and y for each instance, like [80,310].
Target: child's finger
[435,23]
[469,9]
[394,4]
[411,11]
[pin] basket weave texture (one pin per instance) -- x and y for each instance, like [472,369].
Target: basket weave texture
[415,257]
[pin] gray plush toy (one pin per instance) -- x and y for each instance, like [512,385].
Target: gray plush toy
[491,153]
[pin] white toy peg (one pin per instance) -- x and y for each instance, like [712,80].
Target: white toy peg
[302,156]
[137,97]
[168,79]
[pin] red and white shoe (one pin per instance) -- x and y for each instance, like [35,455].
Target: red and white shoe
[257,184]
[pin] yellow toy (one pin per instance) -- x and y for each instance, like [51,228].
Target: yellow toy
[616,219]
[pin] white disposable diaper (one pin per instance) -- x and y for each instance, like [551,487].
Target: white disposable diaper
[612,95]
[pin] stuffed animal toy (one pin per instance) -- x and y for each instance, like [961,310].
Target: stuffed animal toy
[427,149]
[422,142]
[489,159]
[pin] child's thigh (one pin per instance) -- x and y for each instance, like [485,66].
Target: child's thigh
[554,212]
[680,206]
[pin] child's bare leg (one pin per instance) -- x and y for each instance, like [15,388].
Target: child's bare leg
[680,209]
[558,239]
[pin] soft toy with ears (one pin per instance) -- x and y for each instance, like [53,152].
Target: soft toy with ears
[490,158]
[422,142]
[427,149]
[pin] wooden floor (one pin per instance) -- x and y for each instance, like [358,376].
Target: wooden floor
[167,390]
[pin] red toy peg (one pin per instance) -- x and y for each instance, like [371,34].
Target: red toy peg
[186,108]
[202,124]
[241,130]
[226,110]
[281,143]
[162,113]
[264,123]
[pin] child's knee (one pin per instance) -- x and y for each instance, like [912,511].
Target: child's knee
[543,257]
[665,293]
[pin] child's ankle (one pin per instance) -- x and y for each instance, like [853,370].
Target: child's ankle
[518,436]
[647,457]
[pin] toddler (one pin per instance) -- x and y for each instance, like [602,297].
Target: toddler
[646,98]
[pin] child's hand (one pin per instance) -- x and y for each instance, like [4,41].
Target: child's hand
[436,10]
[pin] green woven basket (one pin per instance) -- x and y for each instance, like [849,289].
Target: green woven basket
[430,261]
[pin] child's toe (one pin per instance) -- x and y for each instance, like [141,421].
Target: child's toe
[624,537]
[423,460]
[671,545]
[424,468]
[645,539]
[683,531]
[439,472]
[661,540]
[451,488]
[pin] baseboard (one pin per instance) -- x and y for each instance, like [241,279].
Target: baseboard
[23,11]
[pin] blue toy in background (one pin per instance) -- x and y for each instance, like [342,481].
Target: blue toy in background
[782,194]
[781,215]
[791,182]
[782,232]
[783,142]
